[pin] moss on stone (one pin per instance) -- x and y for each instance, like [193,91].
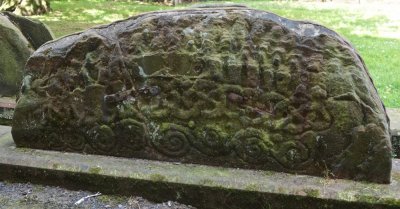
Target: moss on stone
[312,192]
[207,182]
[252,187]
[245,89]
[95,170]
[157,177]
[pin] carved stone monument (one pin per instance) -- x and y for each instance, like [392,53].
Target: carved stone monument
[230,86]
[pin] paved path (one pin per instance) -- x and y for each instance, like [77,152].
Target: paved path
[4,130]
[31,196]
[394,115]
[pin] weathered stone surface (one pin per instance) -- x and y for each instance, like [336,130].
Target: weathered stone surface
[233,87]
[19,38]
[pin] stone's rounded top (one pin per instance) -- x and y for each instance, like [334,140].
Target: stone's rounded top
[222,5]
[226,86]
[213,12]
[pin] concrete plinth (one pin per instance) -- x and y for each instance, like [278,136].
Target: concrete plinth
[198,185]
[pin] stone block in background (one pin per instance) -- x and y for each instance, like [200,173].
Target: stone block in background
[19,38]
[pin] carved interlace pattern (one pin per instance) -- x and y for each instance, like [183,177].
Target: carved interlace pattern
[217,88]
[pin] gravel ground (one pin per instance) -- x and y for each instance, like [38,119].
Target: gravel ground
[31,196]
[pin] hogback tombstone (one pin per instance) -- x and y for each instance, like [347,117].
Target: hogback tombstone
[224,86]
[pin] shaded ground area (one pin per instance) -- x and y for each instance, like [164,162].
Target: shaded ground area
[20,196]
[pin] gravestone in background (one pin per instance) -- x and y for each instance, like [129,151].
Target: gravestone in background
[19,38]
[228,86]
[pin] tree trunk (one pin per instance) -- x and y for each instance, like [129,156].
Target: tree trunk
[25,7]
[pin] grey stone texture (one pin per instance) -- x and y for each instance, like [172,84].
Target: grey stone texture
[224,86]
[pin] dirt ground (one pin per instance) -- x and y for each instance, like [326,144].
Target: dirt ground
[30,196]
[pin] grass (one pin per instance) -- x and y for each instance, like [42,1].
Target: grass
[374,29]
[70,16]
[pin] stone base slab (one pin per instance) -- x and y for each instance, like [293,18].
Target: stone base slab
[197,185]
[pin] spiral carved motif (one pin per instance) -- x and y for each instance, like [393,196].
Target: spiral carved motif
[292,154]
[102,138]
[74,141]
[209,141]
[251,145]
[53,139]
[131,134]
[173,140]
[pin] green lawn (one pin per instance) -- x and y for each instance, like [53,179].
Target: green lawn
[373,29]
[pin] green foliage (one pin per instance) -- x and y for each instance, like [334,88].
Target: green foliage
[25,7]
[364,26]
[70,16]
